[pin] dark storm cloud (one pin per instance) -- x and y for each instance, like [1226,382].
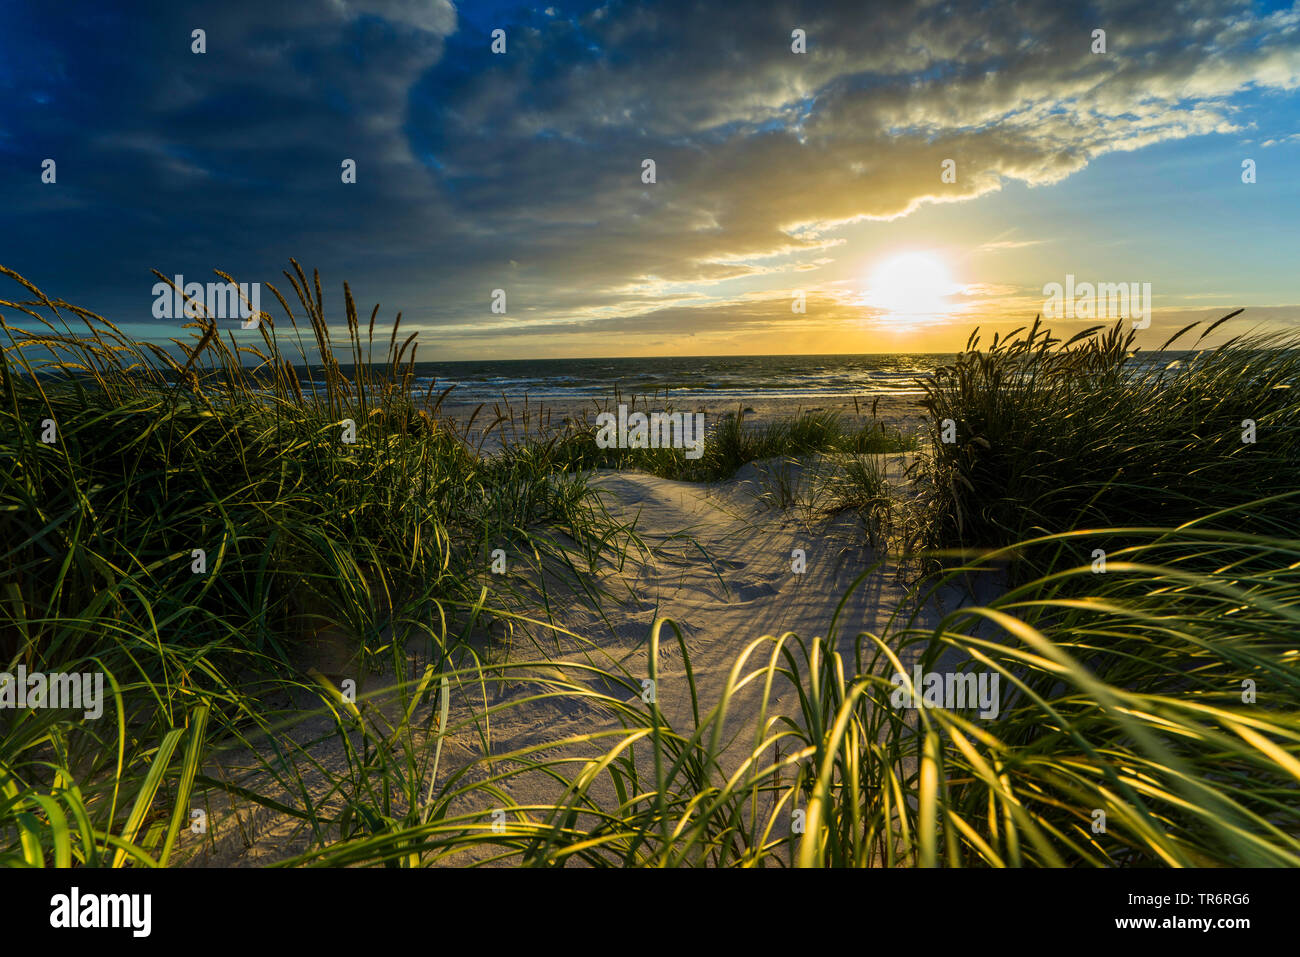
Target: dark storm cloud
[522,171]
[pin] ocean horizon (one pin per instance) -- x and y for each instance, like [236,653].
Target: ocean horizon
[681,377]
[692,378]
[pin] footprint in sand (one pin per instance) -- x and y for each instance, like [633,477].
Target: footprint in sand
[750,592]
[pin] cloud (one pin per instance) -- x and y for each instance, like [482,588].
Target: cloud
[1010,244]
[761,153]
[522,171]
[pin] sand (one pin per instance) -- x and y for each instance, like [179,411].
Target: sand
[719,564]
[902,411]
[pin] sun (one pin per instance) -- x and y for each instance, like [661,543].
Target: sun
[911,287]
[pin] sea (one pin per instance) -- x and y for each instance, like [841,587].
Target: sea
[689,379]
[683,378]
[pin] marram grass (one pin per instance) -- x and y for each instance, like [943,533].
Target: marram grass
[1049,435]
[1159,696]
[1124,699]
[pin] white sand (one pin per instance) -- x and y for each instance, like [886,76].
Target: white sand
[743,590]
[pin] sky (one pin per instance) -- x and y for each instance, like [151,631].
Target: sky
[917,170]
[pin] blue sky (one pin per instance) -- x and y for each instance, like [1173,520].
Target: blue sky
[777,172]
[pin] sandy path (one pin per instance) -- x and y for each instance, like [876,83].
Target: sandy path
[720,568]
[745,588]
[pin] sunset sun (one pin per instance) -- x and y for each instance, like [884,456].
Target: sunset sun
[913,286]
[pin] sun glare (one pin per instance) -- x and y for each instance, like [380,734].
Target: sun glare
[911,287]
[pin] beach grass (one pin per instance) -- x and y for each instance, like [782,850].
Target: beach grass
[197,528]
[733,442]
[1122,739]
[1036,435]
[1147,714]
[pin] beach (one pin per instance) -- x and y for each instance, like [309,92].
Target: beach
[718,563]
[353,629]
[523,415]
[641,436]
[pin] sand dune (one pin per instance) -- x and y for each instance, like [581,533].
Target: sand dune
[719,565]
